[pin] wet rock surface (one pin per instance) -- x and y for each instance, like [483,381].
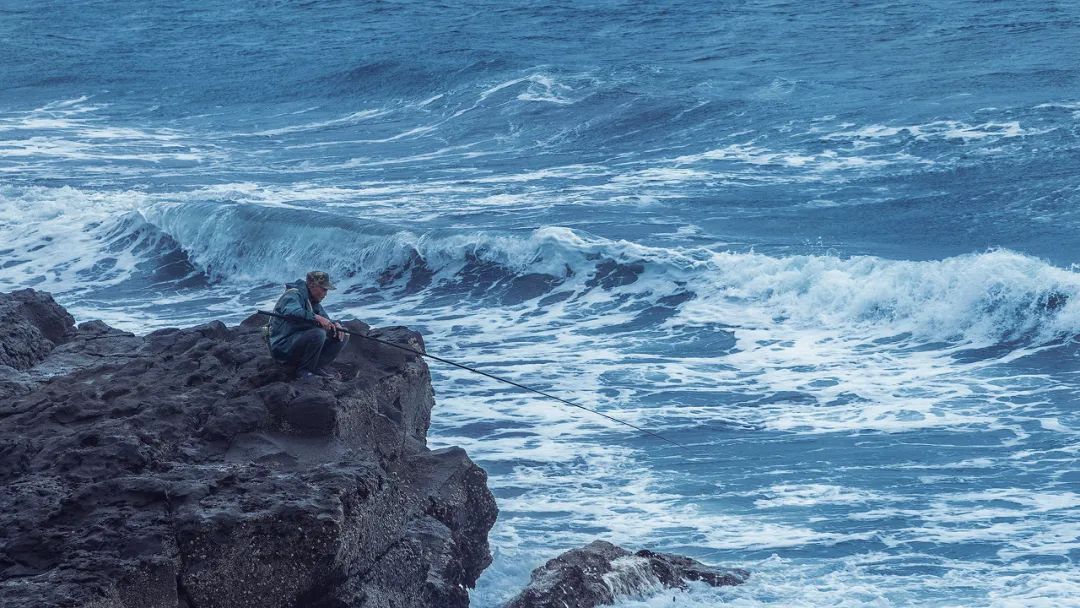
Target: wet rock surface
[185,468]
[600,573]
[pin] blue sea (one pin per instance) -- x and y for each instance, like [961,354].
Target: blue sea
[831,247]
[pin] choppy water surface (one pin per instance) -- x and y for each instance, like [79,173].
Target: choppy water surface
[830,247]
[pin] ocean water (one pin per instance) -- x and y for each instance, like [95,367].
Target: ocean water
[831,247]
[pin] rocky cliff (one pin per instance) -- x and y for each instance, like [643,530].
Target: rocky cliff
[183,468]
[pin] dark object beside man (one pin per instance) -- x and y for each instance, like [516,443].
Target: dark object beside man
[306,339]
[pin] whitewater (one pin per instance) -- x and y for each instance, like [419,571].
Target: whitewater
[831,248]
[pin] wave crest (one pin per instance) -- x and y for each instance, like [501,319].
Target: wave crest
[993,296]
[989,297]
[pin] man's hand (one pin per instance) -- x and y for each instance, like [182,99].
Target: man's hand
[339,332]
[324,323]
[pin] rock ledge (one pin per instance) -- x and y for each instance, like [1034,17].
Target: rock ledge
[184,469]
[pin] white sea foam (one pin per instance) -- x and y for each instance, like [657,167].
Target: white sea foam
[347,120]
[941,129]
[810,495]
[543,88]
[829,160]
[73,131]
[46,229]
[538,87]
[631,577]
[757,163]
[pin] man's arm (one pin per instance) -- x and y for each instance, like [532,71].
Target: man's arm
[321,318]
[333,327]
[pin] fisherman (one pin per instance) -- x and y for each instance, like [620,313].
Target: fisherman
[292,339]
[306,339]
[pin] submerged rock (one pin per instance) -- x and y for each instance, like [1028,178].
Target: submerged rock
[183,468]
[600,573]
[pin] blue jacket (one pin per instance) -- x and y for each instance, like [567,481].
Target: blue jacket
[297,304]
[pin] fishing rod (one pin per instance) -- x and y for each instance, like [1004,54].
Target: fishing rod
[482,373]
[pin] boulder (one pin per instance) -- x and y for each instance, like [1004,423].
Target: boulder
[32,325]
[600,573]
[185,468]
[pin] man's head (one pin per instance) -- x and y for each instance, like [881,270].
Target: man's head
[318,283]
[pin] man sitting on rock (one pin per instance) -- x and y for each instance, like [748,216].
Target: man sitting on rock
[306,339]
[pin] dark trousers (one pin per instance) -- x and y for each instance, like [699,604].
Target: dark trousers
[314,349]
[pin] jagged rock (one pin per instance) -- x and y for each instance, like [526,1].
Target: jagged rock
[600,572]
[33,324]
[184,469]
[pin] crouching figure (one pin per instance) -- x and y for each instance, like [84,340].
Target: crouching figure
[306,338]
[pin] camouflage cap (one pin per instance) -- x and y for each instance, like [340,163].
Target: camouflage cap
[320,278]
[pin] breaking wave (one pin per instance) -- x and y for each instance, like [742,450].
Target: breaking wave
[993,296]
[989,297]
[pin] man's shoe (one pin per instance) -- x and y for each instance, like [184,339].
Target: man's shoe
[326,374]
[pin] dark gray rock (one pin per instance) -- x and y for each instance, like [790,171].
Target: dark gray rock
[185,469]
[13,383]
[32,325]
[600,573]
